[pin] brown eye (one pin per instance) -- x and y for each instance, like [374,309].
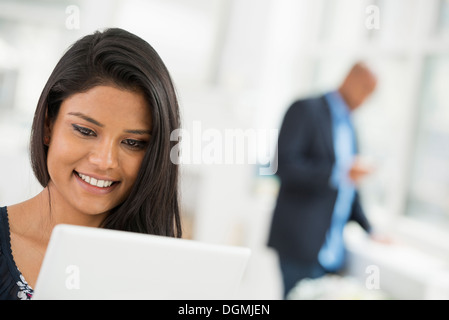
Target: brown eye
[84,131]
[135,144]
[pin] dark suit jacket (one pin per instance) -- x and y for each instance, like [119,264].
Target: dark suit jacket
[306,200]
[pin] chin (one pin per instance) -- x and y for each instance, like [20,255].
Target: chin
[95,211]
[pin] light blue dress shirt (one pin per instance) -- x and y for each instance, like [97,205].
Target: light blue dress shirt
[331,255]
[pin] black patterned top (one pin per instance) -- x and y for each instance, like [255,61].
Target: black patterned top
[12,284]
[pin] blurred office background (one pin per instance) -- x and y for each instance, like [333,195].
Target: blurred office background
[238,65]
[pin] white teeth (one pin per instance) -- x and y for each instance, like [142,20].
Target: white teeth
[95,182]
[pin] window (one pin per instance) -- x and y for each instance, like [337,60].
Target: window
[404,126]
[428,194]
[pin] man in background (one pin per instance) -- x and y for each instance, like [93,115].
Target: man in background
[319,172]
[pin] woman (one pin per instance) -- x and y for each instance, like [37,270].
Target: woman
[100,147]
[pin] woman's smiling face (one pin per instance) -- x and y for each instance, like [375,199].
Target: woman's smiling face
[97,144]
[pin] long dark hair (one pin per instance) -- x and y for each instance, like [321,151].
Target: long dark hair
[119,58]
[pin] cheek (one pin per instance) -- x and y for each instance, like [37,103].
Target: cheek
[132,167]
[63,151]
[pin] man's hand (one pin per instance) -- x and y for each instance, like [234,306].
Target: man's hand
[359,170]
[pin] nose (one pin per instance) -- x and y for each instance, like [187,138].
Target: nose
[104,155]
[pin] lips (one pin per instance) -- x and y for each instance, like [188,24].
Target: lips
[96,182]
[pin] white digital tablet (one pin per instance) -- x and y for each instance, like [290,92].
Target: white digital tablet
[94,263]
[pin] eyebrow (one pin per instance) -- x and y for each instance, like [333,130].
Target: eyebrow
[141,132]
[91,120]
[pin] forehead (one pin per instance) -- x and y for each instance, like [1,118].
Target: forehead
[111,106]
